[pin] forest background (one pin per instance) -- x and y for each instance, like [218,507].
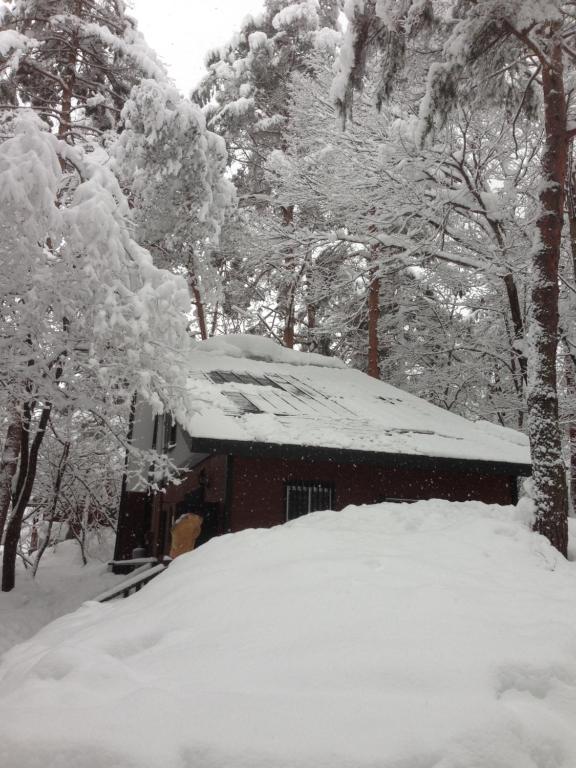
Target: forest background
[389,182]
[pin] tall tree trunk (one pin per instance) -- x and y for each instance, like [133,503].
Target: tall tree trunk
[518,325]
[288,337]
[570,363]
[196,295]
[214,327]
[518,350]
[9,462]
[311,325]
[286,297]
[550,492]
[373,316]
[199,304]
[570,373]
[25,483]
[69,78]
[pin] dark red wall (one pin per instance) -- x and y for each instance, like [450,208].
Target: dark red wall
[214,470]
[211,474]
[258,487]
[145,521]
[258,494]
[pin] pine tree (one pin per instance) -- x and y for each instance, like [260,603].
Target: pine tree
[174,170]
[246,99]
[73,62]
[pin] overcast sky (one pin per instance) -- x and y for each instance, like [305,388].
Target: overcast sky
[182,31]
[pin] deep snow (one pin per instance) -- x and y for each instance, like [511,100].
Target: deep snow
[431,635]
[62,584]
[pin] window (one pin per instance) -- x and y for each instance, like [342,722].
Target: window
[303,497]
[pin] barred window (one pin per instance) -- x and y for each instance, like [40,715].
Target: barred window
[303,497]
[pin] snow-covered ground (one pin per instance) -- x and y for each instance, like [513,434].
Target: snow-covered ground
[63,583]
[431,635]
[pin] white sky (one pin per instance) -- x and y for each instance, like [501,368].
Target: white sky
[183,31]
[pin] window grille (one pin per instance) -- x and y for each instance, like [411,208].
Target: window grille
[303,497]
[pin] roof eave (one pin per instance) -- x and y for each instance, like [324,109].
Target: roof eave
[349,456]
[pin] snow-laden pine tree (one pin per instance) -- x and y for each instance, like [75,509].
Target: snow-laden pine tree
[246,99]
[73,61]
[174,170]
[520,54]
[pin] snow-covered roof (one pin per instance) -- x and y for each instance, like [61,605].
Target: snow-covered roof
[249,389]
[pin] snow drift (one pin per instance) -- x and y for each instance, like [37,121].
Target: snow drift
[430,635]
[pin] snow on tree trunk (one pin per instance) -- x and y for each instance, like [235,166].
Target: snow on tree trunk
[550,492]
[570,374]
[570,360]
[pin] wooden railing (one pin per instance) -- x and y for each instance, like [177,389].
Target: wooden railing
[147,569]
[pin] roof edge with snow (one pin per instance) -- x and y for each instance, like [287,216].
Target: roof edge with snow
[256,449]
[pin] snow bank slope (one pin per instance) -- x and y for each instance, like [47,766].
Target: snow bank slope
[63,584]
[431,635]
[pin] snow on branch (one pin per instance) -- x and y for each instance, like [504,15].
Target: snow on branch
[298,13]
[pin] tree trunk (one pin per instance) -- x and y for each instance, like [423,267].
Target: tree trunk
[214,327]
[9,462]
[200,314]
[572,439]
[286,297]
[196,296]
[570,364]
[518,324]
[550,492]
[288,330]
[62,464]
[311,325]
[69,78]
[570,373]
[24,487]
[373,318]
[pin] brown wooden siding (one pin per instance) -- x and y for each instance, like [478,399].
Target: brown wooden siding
[257,493]
[259,487]
[214,470]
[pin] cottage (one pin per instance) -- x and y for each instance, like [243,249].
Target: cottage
[275,434]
